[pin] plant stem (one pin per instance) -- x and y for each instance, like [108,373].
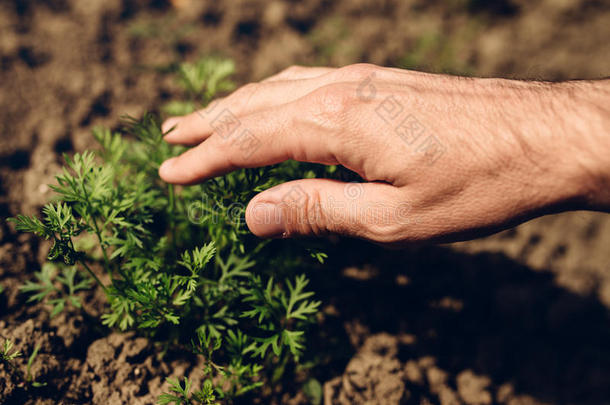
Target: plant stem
[89,269]
[97,229]
[99,238]
[171,208]
[93,275]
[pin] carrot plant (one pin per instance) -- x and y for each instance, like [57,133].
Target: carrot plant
[176,263]
[7,358]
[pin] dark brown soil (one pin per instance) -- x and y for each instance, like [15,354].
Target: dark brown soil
[516,318]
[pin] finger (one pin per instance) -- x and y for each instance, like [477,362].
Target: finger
[297,82]
[314,207]
[197,126]
[299,73]
[259,139]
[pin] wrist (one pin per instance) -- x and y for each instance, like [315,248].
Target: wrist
[563,141]
[584,123]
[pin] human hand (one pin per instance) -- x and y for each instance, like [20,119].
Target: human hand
[444,158]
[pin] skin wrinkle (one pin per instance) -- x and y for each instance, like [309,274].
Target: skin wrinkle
[304,217]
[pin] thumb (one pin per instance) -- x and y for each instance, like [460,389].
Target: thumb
[314,207]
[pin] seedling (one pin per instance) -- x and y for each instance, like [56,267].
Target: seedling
[56,289]
[175,276]
[8,356]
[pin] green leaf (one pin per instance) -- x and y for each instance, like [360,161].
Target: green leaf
[29,377]
[6,354]
[182,396]
[177,108]
[31,224]
[44,286]
[260,346]
[304,307]
[294,340]
[58,306]
[208,76]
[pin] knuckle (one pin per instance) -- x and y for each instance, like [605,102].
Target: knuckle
[292,69]
[308,218]
[385,221]
[247,89]
[356,71]
[242,96]
[331,114]
[383,232]
[289,72]
[333,101]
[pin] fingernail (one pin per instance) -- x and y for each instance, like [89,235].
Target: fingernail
[169,123]
[265,221]
[166,168]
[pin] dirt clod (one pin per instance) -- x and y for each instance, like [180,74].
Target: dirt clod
[473,388]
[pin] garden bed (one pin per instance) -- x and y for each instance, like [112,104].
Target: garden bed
[519,316]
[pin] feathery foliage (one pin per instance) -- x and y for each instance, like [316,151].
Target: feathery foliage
[176,263]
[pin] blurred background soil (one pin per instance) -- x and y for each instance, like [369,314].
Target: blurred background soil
[520,317]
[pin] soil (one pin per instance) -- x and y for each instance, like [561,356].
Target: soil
[521,317]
